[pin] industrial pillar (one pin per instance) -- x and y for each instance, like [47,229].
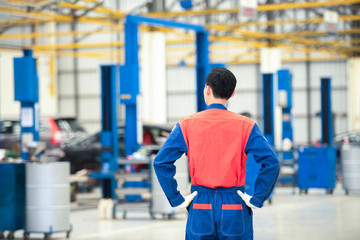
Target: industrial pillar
[129,88]
[27,92]
[327,128]
[353,66]
[270,64]
[153,78]
[109,129]
[268,107]
[285,102]
[202,67]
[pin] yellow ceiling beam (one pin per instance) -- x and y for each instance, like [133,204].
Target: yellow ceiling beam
[23,22]
[295,5]
[284,22]
[260,8]
[77,45]
[56,34]
[257,60]
[223,47]
[56,17]
[28,2]
[112,13]
[35,14]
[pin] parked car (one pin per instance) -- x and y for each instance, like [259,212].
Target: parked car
[351,137]
[85,153]
[53,131]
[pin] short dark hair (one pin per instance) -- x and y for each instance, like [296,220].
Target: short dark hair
[222,82]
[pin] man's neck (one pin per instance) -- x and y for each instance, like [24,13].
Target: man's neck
[218,100]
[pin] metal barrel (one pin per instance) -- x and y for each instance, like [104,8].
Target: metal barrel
[350,166]
[47,197]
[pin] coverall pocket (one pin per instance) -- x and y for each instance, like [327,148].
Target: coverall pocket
[232,219]
[201,219]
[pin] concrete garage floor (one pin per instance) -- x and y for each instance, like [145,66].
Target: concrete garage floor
[314,216]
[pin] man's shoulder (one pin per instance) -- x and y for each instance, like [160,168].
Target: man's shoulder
[225,114]
[193,116]
[241,118]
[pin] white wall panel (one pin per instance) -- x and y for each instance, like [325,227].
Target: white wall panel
[67,107]
[246,76]
[244,102]
[181,79]
[47,86]
[180,106]
[339,101]
[298,71]
[89,64]
[316,101]
[65,63]
[316,129]
[66,83]
[8,106]
[89,84]
[300,130]
[89,109]
[299,102]
[341,125]
[336,70]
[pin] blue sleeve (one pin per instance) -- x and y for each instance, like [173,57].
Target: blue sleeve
[259,147]
[164,167]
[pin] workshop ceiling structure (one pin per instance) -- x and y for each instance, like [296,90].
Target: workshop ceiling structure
[297,27]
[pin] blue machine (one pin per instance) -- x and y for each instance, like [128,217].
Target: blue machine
[129,73]
[109,131]
[27,92]
[12,198]
[317,165]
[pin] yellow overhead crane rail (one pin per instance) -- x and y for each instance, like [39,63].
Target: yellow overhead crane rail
[111,13]
[284,22]
[55,17]
[29,2]
[260,8]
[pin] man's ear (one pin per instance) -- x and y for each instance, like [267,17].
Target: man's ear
[233,93]
[208,90]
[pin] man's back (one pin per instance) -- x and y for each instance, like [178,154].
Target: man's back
[216,141]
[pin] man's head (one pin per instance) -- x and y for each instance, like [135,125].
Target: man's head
[222,83]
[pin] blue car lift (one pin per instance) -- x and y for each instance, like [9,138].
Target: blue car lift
[12,182]
[27,92]
[284,84]
[109,131]
[129,73]
[317,164]
[284,80]
[268,107]
[270,88]
[129,91]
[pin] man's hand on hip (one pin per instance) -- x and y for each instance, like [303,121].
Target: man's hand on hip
[246,198]
[188,200]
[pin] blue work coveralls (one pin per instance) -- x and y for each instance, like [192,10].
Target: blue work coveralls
[216,142]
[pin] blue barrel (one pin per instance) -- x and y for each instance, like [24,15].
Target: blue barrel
[12,196]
